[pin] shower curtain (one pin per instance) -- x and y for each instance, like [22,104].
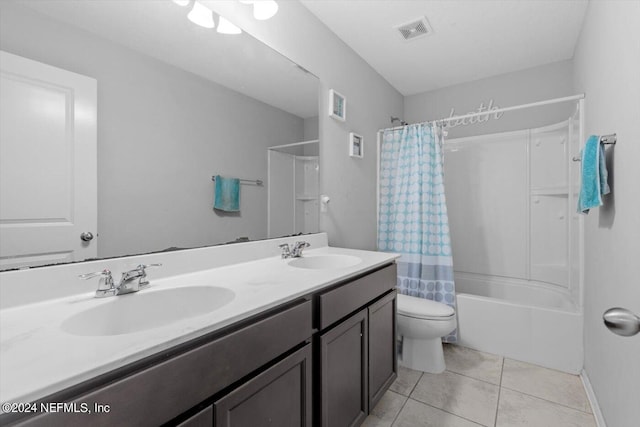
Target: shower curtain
[412,213]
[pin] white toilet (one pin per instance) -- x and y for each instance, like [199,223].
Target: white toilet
[421,325]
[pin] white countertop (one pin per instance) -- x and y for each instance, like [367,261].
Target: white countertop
[38,358]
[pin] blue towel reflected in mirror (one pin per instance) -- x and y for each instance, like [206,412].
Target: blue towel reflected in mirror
[227,194]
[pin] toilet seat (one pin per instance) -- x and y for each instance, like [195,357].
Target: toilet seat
[421,308]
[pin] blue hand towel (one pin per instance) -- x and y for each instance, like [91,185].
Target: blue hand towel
[227,195]
[594,176]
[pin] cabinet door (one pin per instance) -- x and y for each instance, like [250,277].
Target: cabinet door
[278,397]
[203,418]
[383,361]
[343,373]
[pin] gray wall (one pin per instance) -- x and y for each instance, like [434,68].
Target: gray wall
[162,134]
[311,128]
[521,87]
[351,183]
[607,69]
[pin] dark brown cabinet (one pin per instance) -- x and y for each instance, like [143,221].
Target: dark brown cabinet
[343,373]
[383,363]
[204,418]
[278,397]
[357,355]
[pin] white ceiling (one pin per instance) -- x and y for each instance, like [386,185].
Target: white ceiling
[161,30]
[471,39]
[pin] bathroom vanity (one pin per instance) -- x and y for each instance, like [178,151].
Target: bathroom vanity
[304,342]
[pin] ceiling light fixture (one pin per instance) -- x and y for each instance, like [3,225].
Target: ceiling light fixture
[227,27]
[182,2]
[201,15]
[262,9]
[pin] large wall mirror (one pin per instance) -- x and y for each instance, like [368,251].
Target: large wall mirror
[176,105]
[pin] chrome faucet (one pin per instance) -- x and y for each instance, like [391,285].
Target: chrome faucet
[105,286]
[295,252]
[286,252]
[128,283]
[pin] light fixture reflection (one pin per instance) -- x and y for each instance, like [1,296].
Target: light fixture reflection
[226,27]
[264,9]
[201,15]
[182,2]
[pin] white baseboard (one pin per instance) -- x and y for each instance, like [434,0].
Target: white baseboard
[595,408]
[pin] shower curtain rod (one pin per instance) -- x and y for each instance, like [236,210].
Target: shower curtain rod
[499,110]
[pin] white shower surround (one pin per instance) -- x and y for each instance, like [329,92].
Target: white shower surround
[536,321]
[527,319]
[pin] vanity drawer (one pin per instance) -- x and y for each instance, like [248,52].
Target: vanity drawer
[338,303]
[204,418]
[158,394]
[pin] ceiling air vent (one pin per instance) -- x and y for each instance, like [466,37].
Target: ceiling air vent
[415,29]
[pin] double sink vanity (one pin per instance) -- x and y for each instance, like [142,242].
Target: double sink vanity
[222,336]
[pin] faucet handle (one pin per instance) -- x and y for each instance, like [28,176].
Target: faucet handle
[296,252]
[105,286]
[286,251]
[106,272]
[143,274]
[143,266]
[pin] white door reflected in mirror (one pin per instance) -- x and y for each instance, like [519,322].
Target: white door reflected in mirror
[48,178]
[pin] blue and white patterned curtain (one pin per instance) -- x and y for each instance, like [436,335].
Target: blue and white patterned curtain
[413,213]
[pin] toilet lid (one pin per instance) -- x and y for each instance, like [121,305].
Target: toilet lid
[422,308]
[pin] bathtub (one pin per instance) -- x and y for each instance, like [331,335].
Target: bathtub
[531,323]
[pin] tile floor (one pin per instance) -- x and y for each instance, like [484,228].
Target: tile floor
[481,389]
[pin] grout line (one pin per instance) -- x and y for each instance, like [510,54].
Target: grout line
[549,401]
[495,419]
[398,414]
[450,413]
[474,378]
[416,384]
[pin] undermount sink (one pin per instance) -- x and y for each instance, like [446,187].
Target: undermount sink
[321,262]
[147,309]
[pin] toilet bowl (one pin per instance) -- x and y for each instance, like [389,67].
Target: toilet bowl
[421,325]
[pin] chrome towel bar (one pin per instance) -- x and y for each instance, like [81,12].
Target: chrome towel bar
[244,181]
[604,139]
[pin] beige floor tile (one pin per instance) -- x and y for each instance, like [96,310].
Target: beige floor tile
[416,414]
[406,381]
[388,407]
[555,386]
[466,397]
[373,421]
[520,410]
[473,363]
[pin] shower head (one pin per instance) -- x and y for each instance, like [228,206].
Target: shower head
[396,119]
